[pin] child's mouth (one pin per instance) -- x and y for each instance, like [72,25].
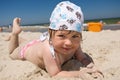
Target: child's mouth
[67,49]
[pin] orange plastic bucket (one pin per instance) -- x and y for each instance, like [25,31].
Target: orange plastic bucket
[94,26]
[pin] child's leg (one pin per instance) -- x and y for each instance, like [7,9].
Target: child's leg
[14,39]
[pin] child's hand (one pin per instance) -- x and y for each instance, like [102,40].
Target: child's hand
[94,68]
[94,72]
[97,73]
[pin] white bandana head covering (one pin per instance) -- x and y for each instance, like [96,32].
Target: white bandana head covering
[66,16]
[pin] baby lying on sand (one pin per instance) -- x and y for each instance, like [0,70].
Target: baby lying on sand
[58,45]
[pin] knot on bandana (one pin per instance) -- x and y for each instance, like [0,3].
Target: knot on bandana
[66,16]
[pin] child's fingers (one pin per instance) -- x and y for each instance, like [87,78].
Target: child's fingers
[91,70]
[88,70]
[97,76]
[100,73]
[85,76]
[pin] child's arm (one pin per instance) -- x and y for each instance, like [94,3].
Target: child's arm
[53,67]
[83,58]
[87,61]
[80,74]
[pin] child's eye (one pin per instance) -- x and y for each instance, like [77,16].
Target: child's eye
[75,36]
[62,36]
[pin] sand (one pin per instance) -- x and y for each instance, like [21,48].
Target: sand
[103,47]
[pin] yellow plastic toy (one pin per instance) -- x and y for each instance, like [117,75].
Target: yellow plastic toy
[94,26]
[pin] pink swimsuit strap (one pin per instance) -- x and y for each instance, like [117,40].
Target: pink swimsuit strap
[26,46]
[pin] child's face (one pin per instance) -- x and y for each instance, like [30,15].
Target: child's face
[66,42]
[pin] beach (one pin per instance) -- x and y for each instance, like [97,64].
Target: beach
[103,47]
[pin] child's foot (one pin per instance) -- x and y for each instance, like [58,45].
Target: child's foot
[7,38]
[16,26]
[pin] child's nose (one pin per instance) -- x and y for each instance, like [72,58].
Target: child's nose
[68,42]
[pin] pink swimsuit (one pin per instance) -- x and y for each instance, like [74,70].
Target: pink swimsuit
[26,46]
[43,37]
